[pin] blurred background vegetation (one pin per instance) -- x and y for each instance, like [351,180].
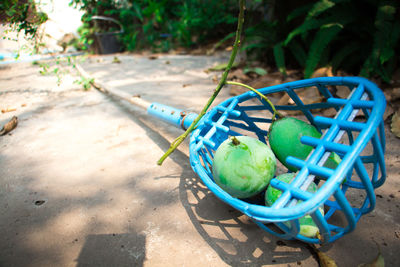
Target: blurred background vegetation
[359,37]
[22,16]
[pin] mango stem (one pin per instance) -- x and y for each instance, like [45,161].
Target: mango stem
[275,112]
[235,141]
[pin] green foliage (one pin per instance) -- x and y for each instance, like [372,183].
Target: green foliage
[360,37]
[21,15]
[321,40]
[280,58]
[85,82]
[62,66]
[161,25]
[386,36]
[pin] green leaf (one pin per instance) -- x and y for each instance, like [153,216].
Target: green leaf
[138,11]
[302,10]
[306,26]
[319,7]
[259,71]
[387,32]
[323,37]
[279,56]
[229,36]
[343,54]
[343,18]
[259,45]
[222,66]
[390,45]
[298,52]
[10,12]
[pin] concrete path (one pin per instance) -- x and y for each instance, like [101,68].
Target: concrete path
[79,184]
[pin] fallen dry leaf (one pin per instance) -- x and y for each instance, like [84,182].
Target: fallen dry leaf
[388,95]
[395,94]
[395,126]
[229,48]
[267,80]
[237,74]
[342,91]
[322,72]
[388,112]
[152,57]
[9,126]
[309,95]
[215,79]
[397,233]
[284,100]
[324,260]
[329,112]
[392,94]
[8,110]
[236,90]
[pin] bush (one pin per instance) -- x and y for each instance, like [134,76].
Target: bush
[358,36]
[161,25]
[21,15]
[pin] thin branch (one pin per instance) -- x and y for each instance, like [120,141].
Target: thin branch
[221,83]
[275,112]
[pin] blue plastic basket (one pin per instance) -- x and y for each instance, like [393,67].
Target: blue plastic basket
[346,192]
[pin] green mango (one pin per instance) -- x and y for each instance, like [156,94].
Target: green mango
[284,140]
[243,166]
[308,227]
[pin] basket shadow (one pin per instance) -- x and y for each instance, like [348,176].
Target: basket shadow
[233,236]
[113,250]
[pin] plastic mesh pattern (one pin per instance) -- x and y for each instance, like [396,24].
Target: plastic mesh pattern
[355,133]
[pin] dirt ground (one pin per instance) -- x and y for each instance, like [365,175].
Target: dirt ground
[79,184]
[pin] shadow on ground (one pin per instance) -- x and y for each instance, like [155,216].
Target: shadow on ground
[232,235]
[59,208]
[113,250]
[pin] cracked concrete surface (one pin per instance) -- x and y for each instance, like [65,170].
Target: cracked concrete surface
[79,184]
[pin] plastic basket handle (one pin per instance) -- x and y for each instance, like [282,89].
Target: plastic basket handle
[177,117]
[112,20]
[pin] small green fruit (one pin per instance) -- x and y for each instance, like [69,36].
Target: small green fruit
[308,227]
[243,166]
[284,139]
